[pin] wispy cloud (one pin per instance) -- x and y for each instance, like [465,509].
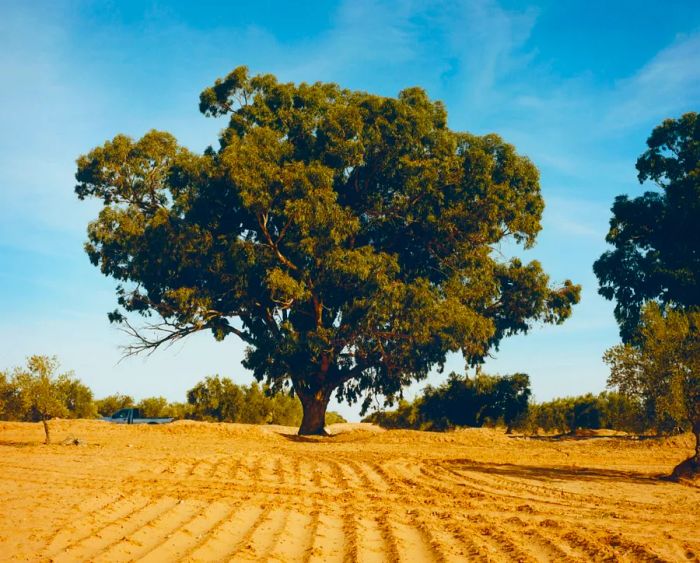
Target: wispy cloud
[668,84]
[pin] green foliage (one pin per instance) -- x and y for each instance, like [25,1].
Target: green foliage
[607,410]
[219,399]
[36,392]
[406,415]
[77,397]
[153,407]
[657,250]
[347,238]
[662,368]
[462,401]
[333,417]
[111,404]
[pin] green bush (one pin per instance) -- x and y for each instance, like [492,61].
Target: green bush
[607,410]
[462,401]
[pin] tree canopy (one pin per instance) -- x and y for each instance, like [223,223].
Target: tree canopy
[37,393]
[656,235]
[351,240]
[663,368]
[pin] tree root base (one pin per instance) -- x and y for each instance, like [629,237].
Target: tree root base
[688,469]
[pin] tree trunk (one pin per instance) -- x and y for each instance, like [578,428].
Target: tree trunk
[696,431]
[313,423]
[46,430]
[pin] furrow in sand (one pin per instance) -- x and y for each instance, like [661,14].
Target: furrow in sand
[243,526]
[296,471]
[259,540]
[476,547]
[91,547]
[593,550]
[350,476]
[223,471]
[450,545]
[312,532]
[329,541]
[441,549]
[504,541]
[370,542]
[391,547]
[420,482]
[524,487]
[94,524]
[255,469]
[324,476]
[477,487]
[190,540]
[213,468]
[230,535]
[339,479]
[362,476]
[267,471]
[391,483]
[294,541]
[235,470]
[412,543]
[231,526]
[350,533]
[280,473]
[194,467]
[631,549]
[539,544]
[153,534]
[77,512]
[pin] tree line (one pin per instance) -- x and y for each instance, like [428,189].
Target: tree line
[36,392]
[489,400]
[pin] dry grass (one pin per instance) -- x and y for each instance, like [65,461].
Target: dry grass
[199,492]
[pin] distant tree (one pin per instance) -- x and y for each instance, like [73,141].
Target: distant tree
[153,407]
[77,397]
[508,399]
[216,399]
[349,239]
[333,417]
[286,410]
[662,368]
[462,401]
[657,246]
[38,394]
[7,397]
[112,403]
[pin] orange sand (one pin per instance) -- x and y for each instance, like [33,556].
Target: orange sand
[210,492]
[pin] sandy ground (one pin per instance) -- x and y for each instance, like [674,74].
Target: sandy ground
[210,492]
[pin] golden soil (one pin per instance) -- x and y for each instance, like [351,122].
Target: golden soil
[200,492]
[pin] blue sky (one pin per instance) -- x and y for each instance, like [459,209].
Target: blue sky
[576,86]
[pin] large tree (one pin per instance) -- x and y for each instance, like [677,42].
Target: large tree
[657,235]
[351,240]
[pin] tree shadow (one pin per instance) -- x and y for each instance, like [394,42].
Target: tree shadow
[557,473]
[575,437]
[305,439]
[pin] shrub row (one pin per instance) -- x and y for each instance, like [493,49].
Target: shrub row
[505,400]
[36,392]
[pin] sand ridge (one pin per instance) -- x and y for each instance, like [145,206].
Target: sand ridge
[193,491]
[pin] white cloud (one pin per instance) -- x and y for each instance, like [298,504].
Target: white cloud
[664,87]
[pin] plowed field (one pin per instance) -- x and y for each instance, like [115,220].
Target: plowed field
[214,492]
